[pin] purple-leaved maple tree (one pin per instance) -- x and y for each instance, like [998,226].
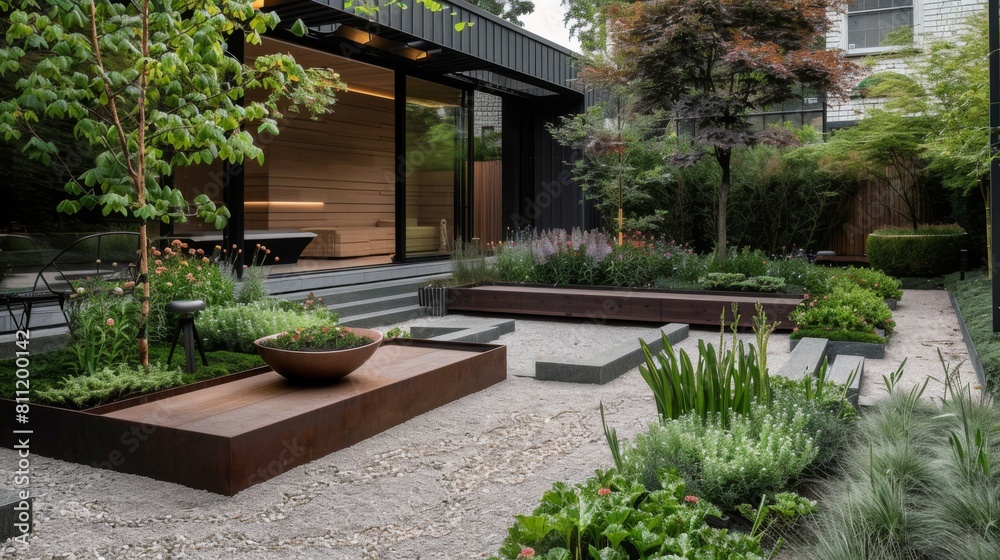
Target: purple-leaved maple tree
[712,63]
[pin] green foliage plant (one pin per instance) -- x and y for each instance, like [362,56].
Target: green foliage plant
[882,284]
[739,282]
[727,383]
[926,251]
[470,264]
[149,88]
[760,452]
[612,517]
[849,308]
[235,327]
[102,324]
[975,300]
[180,272]
[110,383]
[317,339]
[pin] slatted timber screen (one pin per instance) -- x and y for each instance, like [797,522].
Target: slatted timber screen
[873,206]
[488,202]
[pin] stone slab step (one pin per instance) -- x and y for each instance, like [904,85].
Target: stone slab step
[458,332]
[805,359]
[380,318]
[15,515]
[841,372]
[373,305]
[607,364]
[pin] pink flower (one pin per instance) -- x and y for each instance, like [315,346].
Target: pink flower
[690,499]
[603,491]
[175,242]
[170,284]
[110,322]
[527,552]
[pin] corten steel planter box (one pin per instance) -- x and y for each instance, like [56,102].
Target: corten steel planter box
[622,304]
[228,434]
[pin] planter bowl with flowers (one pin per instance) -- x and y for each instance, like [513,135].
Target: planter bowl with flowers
[318,354]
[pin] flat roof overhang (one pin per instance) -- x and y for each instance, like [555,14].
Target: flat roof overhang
[492,52]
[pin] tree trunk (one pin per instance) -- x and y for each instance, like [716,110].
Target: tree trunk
[724,157]
[144,283]
[140,184]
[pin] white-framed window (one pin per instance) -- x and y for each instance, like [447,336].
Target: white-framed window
[879,25]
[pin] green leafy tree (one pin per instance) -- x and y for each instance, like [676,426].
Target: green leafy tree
[935,117]
[710,64]
[622,163]
[510,10]
[149,87]
[886,147]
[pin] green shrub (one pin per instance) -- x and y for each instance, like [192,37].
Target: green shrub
[722,280]
[235,327]
[746,261]
[759,453]
[764,284]
[928,251]
[840,335]
[108,384]
[885,286]
[612,517]
[513,263]
[845,308]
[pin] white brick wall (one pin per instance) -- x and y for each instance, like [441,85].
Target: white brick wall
[935,20]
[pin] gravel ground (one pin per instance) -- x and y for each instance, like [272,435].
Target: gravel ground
[443,485]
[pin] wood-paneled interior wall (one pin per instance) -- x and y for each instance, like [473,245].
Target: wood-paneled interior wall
[488,201]
[873,206]
[344,161]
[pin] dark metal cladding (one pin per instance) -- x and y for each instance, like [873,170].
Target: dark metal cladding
[489,44]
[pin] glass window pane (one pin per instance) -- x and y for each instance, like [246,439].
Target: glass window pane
[436,151]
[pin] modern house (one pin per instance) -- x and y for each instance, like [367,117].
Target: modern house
[439,136]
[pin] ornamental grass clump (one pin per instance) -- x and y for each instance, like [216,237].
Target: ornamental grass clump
[920,482]
[317,339]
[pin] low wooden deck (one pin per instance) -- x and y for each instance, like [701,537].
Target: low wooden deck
[229,436]
[598,304]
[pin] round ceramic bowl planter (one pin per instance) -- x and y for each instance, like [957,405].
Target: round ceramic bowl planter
[318,366]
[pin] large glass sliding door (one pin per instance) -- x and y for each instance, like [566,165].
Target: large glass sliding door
[436,155]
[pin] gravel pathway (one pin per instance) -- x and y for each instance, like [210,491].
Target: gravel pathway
[443,485]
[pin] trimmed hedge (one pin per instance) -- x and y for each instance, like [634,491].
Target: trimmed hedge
[927,251]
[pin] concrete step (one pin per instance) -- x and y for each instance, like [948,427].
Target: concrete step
[332,296]
[807,355]
[372,305]
[841,372]
[464,330]
[607,364]
[380,318]
[284,285]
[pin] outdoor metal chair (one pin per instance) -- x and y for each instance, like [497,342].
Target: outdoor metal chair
[96,255]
